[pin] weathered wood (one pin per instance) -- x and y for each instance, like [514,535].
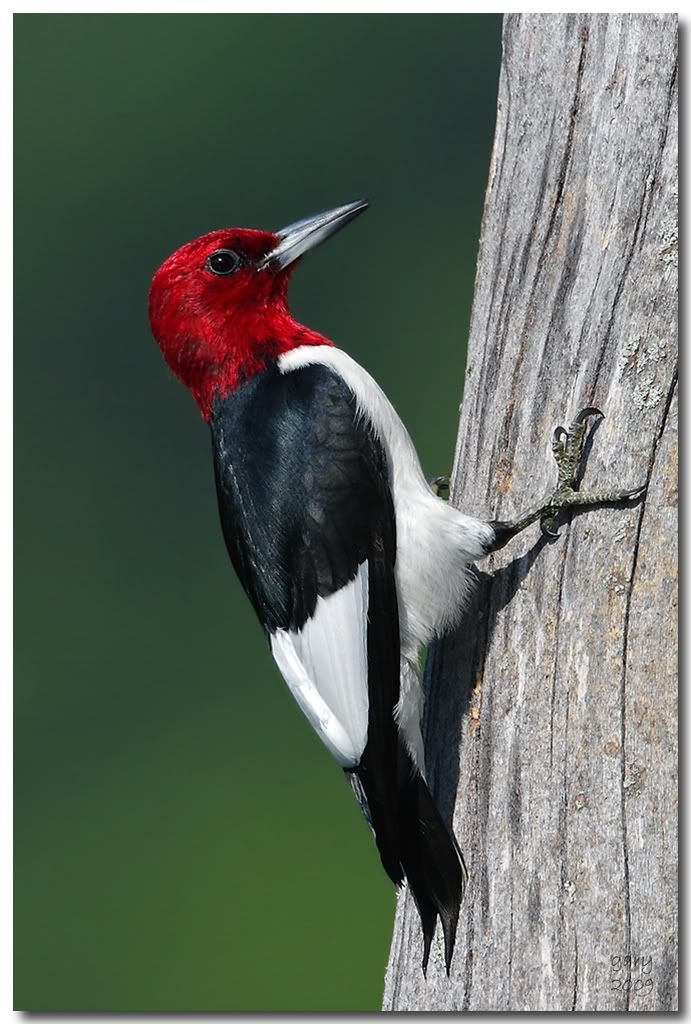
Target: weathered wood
[560,687]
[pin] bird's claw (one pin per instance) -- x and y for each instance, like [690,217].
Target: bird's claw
[546,527]
[634,493]
[585,414]
[567,447]
[440,486]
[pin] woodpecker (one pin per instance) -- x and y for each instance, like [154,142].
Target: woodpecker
[349,557]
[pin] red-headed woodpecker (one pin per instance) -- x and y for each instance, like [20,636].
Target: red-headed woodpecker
[350,559]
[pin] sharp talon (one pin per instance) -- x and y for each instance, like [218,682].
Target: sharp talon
[545,528]
[439,484]
[560,433]
[592,410]
[637,492]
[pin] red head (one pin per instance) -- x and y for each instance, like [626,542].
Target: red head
[218,306]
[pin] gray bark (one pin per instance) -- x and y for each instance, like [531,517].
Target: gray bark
[551,724]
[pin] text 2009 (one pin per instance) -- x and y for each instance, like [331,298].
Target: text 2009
[632,974]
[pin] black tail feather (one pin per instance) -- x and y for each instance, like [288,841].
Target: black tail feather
[414,841]
[411,836]
[432,862]
[381,815]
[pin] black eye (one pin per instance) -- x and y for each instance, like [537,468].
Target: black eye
[223,262]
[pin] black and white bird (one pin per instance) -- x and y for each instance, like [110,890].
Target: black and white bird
[350,559]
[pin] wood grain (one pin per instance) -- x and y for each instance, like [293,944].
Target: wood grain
[551,723]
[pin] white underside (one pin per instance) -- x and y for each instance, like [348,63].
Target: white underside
[435,546]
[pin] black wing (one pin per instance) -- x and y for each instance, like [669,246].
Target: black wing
[302,488]
[305,502]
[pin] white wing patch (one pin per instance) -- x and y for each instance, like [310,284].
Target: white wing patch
[325,667]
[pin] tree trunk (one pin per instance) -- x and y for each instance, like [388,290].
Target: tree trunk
[560,686]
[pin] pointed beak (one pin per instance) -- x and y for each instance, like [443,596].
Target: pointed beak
[299,238]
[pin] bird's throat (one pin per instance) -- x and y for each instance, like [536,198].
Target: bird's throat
[217,366]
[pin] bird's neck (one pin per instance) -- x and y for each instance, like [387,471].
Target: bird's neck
[247,345]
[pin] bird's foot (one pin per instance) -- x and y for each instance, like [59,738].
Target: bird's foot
[440,486]
[567,446]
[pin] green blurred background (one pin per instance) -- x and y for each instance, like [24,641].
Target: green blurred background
[183,841]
